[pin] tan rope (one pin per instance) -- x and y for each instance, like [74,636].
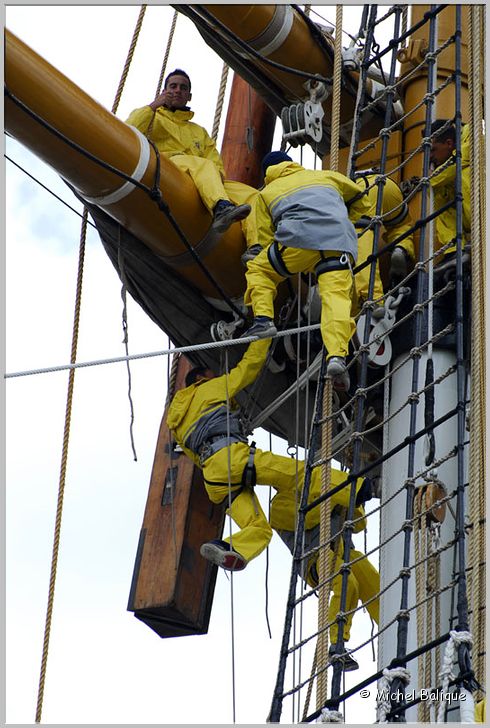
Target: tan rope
[336,92]
[62,480]
[220,101]
[164,66]
[325,564]
[69,402]
[129,58]
[476,549]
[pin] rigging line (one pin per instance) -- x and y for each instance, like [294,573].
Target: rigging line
[220,101]
[129,58]
[62,478]
[124,320]
[232,598]
[276,705]
[154,194]
[60,199]
[162,70]
[163,352]
[402,630]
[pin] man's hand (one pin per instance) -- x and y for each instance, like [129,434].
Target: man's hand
[163,99]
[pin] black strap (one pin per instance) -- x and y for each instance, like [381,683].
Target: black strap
[274,255]
[327,265]
[249,475]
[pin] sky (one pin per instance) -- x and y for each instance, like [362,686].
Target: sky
[105,666]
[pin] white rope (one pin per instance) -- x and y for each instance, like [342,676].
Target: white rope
[447,674]
[383,702]
[164,352]
[330,716]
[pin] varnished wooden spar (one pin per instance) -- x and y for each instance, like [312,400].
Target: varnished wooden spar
[173,585]
[50,95]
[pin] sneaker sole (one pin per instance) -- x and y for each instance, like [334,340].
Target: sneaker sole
[228,560]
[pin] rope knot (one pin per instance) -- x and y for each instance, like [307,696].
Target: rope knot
[330,716]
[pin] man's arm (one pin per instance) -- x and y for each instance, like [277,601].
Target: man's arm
[247,369]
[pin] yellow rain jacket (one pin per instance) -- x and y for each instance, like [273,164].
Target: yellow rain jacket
[443,184]
[204,401]
[189,404]
[395,223]
[363,581]
[194,152]
[291,180]
[174,133]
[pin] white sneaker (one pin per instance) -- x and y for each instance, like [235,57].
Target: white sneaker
[337,371]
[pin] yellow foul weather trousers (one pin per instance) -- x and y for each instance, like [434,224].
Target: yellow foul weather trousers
[362,583]
[334,287]
[227,466]
[211,187]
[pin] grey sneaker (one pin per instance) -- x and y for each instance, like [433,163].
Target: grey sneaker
[398,264]
[337,370]
[226,213]
[251,253]
[348,662]
[220,553]
[262,326]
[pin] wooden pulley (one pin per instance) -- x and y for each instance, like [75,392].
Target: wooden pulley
[426,498]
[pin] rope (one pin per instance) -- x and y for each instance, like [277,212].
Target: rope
[476,547]
[330,716]
[336,92]
[150,354]
[325,564]
[129,58]
[62,480]
[220,101]
[447,674]
[69,402]
[383,702]
[162,70]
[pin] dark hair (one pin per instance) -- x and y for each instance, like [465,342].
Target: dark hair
[177,72]
[448,133]
[194,373]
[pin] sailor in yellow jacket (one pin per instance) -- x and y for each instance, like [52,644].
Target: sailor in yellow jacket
[167,122]
[363,581]
[396,222]
[304,227]
[443,182]
[205,421]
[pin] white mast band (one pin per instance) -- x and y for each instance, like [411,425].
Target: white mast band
[276,32]
[138,173]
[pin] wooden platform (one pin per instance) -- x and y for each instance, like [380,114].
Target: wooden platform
[173,585]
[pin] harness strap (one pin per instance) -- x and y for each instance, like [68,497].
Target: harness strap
[398,218]
[274,255]
[249,475]
[363,222]
[327,265]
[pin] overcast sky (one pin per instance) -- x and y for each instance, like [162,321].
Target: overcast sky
[104,665]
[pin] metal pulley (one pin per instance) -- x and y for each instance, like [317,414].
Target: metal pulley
[427,501]
[302,123]
[380,351]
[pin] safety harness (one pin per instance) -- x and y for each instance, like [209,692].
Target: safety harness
[325,265]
